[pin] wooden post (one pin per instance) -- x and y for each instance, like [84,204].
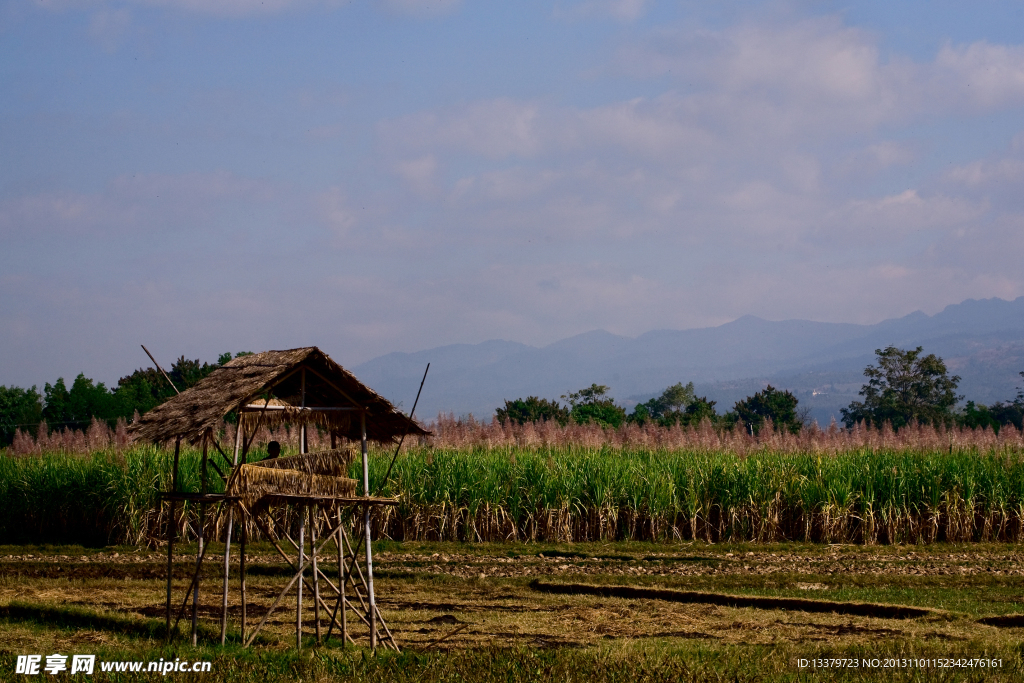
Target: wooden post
[199,555]
[245,534]
[302,429]
[366,525]
[316,574]
[241,570]
[227,550]
[298,607]
[341,584]
[170,533]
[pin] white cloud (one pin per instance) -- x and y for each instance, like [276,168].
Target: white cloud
[419,173]
[982,75]
[819,74]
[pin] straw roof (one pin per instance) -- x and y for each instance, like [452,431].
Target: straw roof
[278,376]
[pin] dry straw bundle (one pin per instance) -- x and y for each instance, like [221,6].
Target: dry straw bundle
[312,474]
[330,463]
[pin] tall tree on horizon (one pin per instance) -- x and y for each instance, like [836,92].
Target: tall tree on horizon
[905,387]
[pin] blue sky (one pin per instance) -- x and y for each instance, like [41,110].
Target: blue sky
[391,175]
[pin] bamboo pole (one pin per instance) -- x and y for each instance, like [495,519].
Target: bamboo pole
[303,563]
[366,524]
[170,533]
[195,579]
[227,553]
[270,611]
[316,572]
[302,429]
[279,598]
[284,555]
[160,369]
[372,609]
[302,569]
[202,550]
[245,532]
[241,571]
[341,580]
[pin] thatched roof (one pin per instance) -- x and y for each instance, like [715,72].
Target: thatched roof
[277,375]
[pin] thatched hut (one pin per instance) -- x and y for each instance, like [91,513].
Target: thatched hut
[302,387]
[297,386]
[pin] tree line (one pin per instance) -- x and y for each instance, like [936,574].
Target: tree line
[904,387]
[74,407]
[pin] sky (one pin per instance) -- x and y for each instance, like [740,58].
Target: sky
[372,176]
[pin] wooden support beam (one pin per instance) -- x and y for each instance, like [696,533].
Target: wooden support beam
[369,534]
[195,578]
[316,578]
[302,565]
[202,538]
[241,572]
[170,535]
[227,549]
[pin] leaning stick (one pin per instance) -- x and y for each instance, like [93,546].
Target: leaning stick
[160,369]
[446,637]
[195,576]
[277,602]
[412,412]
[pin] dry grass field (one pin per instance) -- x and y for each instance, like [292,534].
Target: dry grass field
[598,611]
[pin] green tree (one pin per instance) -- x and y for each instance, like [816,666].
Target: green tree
[698,410]
[147,388]
[975,416]
[532,409]
[593,405]
[19,408]
[778,406]
[905,387]
[75,408]
[56,399]
[1011,412]
[666,409]
[139,392]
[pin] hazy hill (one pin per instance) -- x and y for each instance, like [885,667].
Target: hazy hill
[983,341]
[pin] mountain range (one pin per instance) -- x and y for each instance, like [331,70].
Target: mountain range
[822,363]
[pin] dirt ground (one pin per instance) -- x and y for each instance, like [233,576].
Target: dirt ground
[450,596]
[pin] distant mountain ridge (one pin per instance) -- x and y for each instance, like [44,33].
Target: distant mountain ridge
[982,340]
